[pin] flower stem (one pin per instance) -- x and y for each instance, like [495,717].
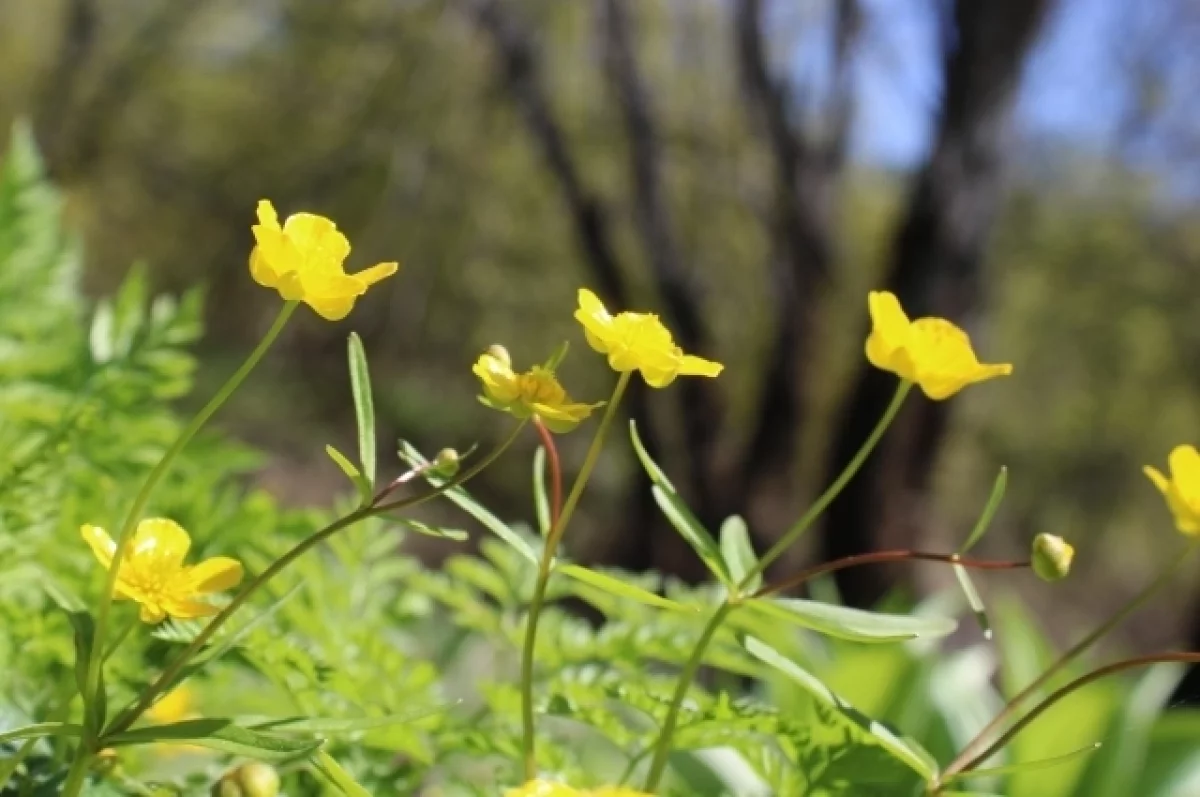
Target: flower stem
[555,470]
[879,557]
[968,758]
[839,484]
[528,725]
[92,680]
[1083,680]
[172,672]
[662,747]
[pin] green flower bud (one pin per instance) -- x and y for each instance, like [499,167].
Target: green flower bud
[253,779]
[446,462]
[1052,557]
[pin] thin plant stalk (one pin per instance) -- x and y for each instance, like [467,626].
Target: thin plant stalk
[880,557]
[91,682]
[528,723]
[167,679]
[969,751]
[822,503]
[555,470]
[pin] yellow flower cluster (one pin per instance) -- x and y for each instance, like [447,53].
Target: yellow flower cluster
[153,573]
[546,788]
[534,393]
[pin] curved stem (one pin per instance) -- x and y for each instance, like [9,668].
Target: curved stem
[839,484]
[528,723]
[92,678]
[880,557]
[555,470]
[1084,680]
[1013,705]
[662,747]
[168,677]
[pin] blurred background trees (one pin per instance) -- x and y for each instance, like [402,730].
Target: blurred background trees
[750,168]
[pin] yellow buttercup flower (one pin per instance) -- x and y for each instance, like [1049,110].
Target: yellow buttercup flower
[1182,490]
[638,342]
[304,260]
[546,788]
[932,352]
[536,392]
[153,573]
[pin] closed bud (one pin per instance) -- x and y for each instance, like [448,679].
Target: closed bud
[501,354]
[253,779]
[446,462]
[1052,557]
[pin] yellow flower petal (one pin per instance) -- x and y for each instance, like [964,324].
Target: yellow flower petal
[1182,489]
[377,272]
[188,609]
[317,239]
[152,613]
[102,545]
[159,542]
[1156,476]
[215,575]
[536,392]
[595,319]
[698,366]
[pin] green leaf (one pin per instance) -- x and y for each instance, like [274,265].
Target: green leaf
[541,504]
[364,407]
[738,553]
[974,600]
[989,511]
[689,528]
[219,734]
[85,633]
[557,356]
[356,478]
[622,589]
[909,752]
[40,729]
[464,501]
[100,335]
[334,773]
[343,725]
[1027,766]
[458,535]
[652,470]
[854,625]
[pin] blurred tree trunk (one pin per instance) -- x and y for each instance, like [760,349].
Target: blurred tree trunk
[935,268]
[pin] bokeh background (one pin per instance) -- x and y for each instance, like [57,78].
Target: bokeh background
[747,168]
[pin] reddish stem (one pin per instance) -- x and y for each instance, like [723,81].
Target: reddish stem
[880,557]
[555,471]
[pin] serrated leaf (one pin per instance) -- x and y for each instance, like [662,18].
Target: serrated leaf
[356,478]
[677,512]
[907,751]
[738,553]
[614,586]
[364,407]
[219,734]
[464,501]
[855,625]
[652,470]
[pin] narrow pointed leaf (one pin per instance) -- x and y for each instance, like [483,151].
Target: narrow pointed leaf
[1026,766]
[690,529]
[738,553]
[364,407]
[220,734]
[909,752]
[334,725]
[340,778]
[652,470]
[41,729]
[458,535]
[989,511]
[541,504]
[854,625]
[621,589]
[974,600]
[356,478]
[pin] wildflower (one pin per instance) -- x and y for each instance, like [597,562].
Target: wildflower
[153,573]
[536,392]
[1182,490]
[1052,557]
[303,260]
[932,352]
[174,706]
[546,788]
[638,342]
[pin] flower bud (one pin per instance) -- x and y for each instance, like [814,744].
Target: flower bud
[446,462]
[1052,557]
[501,354]
[253,779]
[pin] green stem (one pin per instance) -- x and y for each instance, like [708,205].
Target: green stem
[1083,680]
[967,756]
[528,724]
[92,680]
[116,643]
[662,747]
[834,489]
[168,677]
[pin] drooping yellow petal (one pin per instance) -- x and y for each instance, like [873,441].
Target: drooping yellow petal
[377,272]
[102,545]
[698,366]
[1156,476]
[215,575]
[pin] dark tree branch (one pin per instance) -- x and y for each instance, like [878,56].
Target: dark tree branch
[807,174]
[935,269]
[699,404]
[78,41]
